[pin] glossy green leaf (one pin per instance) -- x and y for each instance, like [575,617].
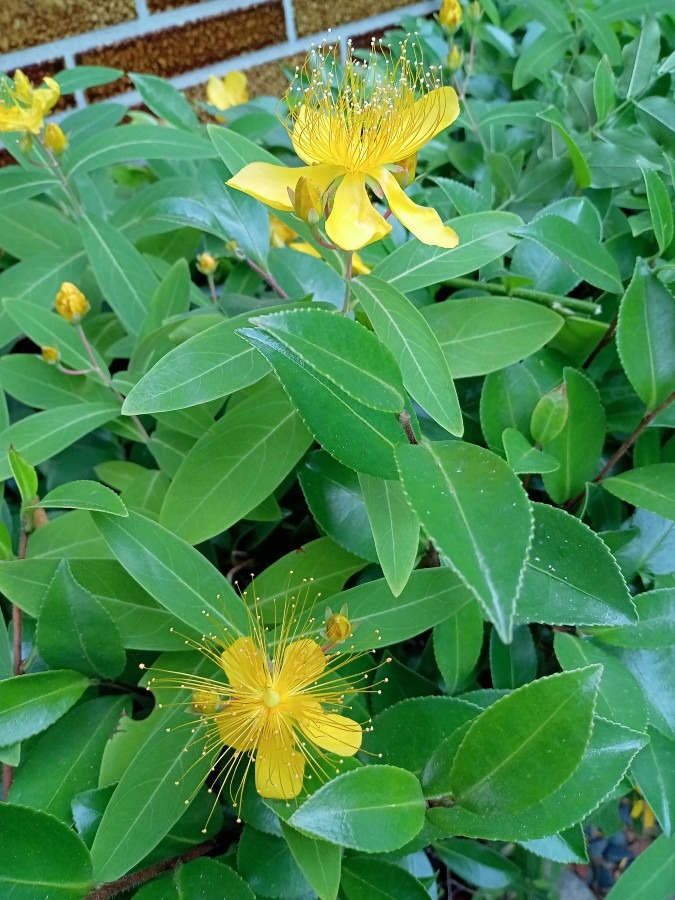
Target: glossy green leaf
[539,57]
[425,370]
[582,173]
[267,864]
[375,809]
[653,770]
[84,495]
[660,208]
[319,861]
[477,864]
[457,644]
[550,415]
[603,36]
[639,59]
[650,876]
[578,445]
[459,491]
[235,466]
[395,527]
[364,878]
[604,89]
[515,664]
[567,241]
[74,631]
[656,625]
[25,476]
[173,572]
[483,334]
[70,535]
[205,878]
[27,871]
[571,577]
[654,672]
[483,237]
[356,435]
[31,703]
[646,335]
[165,101]
[650,487]
[341,350]
[65,759]
[542,729]
[32,227]
[79,78]
[171,298]
[522,457]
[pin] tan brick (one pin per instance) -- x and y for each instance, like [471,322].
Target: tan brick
[316,16]
[25,23]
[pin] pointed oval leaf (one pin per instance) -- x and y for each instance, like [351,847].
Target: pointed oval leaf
[649,487]
[84,495]
[31,703]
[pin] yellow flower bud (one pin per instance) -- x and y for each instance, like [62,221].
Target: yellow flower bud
[450,14]
[205,703]
[280,233]
[338,626]
[207,264]
[406,170]
[55,139]
[475,12]
[50,355]
[455,58]
[71,303]
[307,201]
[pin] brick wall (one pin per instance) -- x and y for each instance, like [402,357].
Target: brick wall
[183,40]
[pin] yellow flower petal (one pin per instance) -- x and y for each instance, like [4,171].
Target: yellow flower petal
[303,247]
[279,770]
[301,664]
[423,222]
[244,666]
[237,727]
[215,92]
[334,733]
[354,222]
[422,122]
[270,183]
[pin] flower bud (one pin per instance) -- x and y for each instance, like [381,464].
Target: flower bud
[338,626]
[455,58]
[406,170]
[475,12]
[50,355]
[450,14]
[71,303]
[26,142]
[55,139]
[207,264]
[204,702]
[307,201]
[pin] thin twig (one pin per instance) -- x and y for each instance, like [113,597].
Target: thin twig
[17,649]
[270,279]
[555,301]
[404,419]
[348,282]
[602,343]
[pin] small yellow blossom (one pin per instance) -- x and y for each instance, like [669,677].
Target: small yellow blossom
[307,201]
[224,93]
[338,626]
[455,58]
[279,709]
[206,263]
[450,14]
[641,809]
[280,233]
[23,108]
[55,139]
[71,303]
[281,236]
[351,130]
[50,355]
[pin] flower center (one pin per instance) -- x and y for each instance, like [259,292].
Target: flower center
[271,698]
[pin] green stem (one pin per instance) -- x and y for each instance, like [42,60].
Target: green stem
[348,282]
[555,301]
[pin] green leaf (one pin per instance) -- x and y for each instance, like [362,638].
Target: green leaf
[567,847]
[483,238]
[334,496]
[460,492]
[173,572]
[77,741]
[356,435]
[540,57]
[31,703]
[578,446]
[515,664]
[20,184]
[582,173]
[27,871]
[569,244]
[79,78]
[375,809]
[395,527]
[483,334]
[653,769]
[660,208]
[341,350]
[651,876]
[171,298]
[650,487]
[603,36]
[364,878]
[477,864]
[267,864]
[84,495]
[131,142]
[646,336]
[655,629]
[32,227]
[165,101]
[75,632]
[571,578]
[550,415]
[457,644]
[235,466]
[619,696]
[319,861]
[204,878]
[654,672]
[425,370]
[522,456]
[25,476]
[542,728]
[604,89]
[640,57]
[124,277]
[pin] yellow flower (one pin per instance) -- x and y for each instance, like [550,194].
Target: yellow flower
[280,233]
[450,14]
[455,58]
[224,93]
[279,708]
[55,139]
[358,265]
[207,264]
[21,107]
[50,355]
[641,808]
[351,131]
[71,303]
